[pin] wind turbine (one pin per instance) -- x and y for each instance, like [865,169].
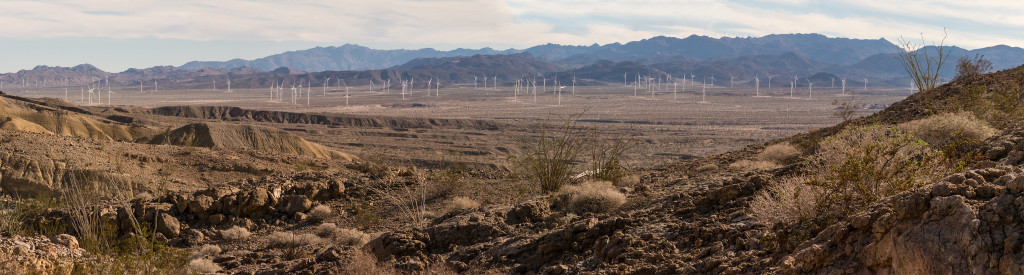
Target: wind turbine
[326,81]
[865,84]
[346,91]
[770,82]
[109,92]
[229,84]
[810,88]
[843,80]
[704,93]
[574,83]
[757,85]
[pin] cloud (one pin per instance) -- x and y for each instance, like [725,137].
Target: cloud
[235,26]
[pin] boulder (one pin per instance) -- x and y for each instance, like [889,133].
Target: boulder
[168,225]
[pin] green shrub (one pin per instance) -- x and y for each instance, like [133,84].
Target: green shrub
[861,165]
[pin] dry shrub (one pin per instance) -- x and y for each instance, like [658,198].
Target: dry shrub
[293,243]
[203,266]
[461,203]
[949,128]
[779,153]
[326,230]
[321,212]
[351,236]
[207,251]
[363,262]
[342,236]
[753,165]
[288,239]
[594,197]
[707,168]
[235,233]
[788,201]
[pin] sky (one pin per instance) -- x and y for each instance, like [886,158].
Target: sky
[115,35]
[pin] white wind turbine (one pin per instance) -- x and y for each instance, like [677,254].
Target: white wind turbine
[326,81]
[109,93]
[757,85]
[675,90]
[90,95]
[704,93]
[346,92]
[574,83]
[430,81]
[865,84]
[229,84]
[810,88]
[843,81]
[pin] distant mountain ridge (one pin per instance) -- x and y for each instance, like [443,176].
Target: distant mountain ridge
[723,61]
[347,57]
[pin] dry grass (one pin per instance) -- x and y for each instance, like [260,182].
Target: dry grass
[779,153]
[235,233]
[594,197]
[203,266]
[753,165]
[206,251]
[787,201]
[945,129]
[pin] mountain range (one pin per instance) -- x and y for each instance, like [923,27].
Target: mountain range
[722,61]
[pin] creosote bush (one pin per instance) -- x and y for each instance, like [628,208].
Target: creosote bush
[861,165]
[594,197]
[968,67]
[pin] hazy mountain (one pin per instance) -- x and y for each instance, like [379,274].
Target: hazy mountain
[43,76]
[347,57]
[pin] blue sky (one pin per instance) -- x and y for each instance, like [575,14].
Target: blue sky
[115,35]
